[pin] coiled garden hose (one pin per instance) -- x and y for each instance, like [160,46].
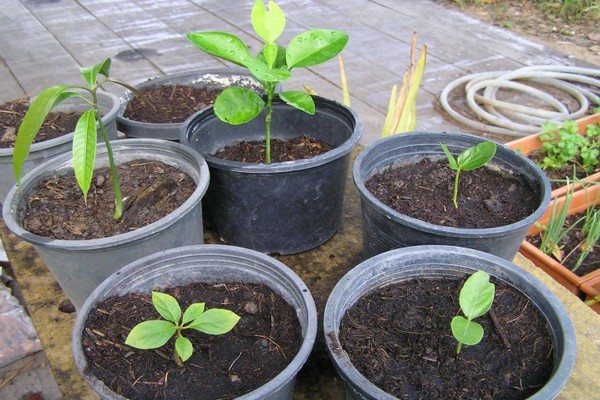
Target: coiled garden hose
[506,118]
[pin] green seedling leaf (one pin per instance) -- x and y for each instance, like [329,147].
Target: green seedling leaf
[451,160]
[167,306]
[477,156]
[84,150]
[184,348]
[223,45]
[90,74]
[269,54]
[215,321]
[300,100]
[475,299]
[237,105]
[192,313]
[268,24]
[315,47]
[150,334]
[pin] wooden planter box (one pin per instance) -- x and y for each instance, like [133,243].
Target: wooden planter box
[530,143]
[580,202]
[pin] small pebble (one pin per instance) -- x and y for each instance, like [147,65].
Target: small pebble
[66,307]
[251,308]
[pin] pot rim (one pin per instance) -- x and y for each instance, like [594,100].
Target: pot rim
[441,230]
[153,147]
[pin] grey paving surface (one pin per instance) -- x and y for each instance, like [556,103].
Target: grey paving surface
[44,42]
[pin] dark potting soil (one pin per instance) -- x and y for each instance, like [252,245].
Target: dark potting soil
[11,116]
[399,337]
[298,148]
[570,247]
[487,197]
[169,103]
[558,176]
[260,346]
[151,190]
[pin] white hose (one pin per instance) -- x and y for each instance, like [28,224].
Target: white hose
[506,118]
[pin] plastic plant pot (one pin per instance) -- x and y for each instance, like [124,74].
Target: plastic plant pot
[208,263]
[81,265]
[442,261]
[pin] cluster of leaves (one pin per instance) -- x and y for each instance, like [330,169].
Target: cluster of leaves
[475,299]
[563,146]
[472,158]
[270,66]
[153,334]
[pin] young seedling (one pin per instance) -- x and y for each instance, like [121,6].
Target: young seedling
[475,299]
[156,333]
[270,66]
[591,232]
[85,136]
[470,159]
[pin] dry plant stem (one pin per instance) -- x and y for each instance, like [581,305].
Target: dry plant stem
[499,329]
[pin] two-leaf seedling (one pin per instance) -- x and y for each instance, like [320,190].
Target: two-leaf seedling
[470,159]
[153,334]
[272,65]
[475,299]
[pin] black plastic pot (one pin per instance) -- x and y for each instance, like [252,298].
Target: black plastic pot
[385,229]
[436,261]
[211,79]
[281,208]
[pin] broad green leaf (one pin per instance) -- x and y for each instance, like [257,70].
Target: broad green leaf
[268,24]
[150,334]
[192,313]
[465,331]
[477,295]
[300,100]
[167,306]
[215,321]
[237,105]
[269,53]
[184,348]
[84,150]
[90,74]
[279,62]
[263,73]
[451,160]
[477,156]
[315,47]
[33,120]
[223,45]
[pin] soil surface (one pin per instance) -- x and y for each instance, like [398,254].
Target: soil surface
[540,22]
[169,104]
[11,116]
[281,150]
[423,190]
[261,345]
[151,190]
[399,337]
[570,246]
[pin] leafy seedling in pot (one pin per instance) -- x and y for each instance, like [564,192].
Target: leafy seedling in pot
[156,333]
[85,136]
[475,299]
[272,65]
[470,159]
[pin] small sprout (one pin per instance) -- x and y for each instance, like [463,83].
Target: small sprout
[475,299]
[470,159]
[153,334]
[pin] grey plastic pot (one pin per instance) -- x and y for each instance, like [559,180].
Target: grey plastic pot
[42,151]
[281,208]
[81,265]
[385,229]
[436,261]
[208,263]
[212,79]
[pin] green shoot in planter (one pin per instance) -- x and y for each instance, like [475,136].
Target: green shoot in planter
[85,136]
[475,299]
[156,333]
[272,65]
[470,159]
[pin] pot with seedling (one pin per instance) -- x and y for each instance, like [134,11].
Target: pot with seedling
[248,327]
[461,310]
[564,240]
[100,231]
[169,100]
[284,202]
[447,188]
